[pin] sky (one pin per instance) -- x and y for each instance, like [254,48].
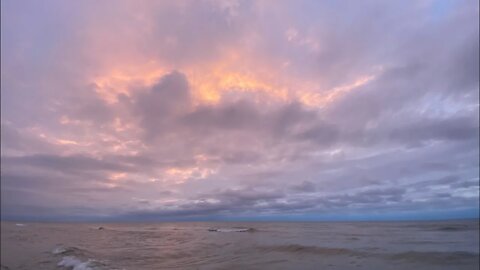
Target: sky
[239,110]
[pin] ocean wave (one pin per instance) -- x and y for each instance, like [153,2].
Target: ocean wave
[432,257]
[74,263]
[61,250]
[423,257]
[293,248]
[234,229]
[76,259]
[452,228]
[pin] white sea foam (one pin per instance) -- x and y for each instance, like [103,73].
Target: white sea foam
[59,250]
[20,224]
[74,263]
[231,229]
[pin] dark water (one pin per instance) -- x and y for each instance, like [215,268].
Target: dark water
[269,245]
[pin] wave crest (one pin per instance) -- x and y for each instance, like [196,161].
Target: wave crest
[294,248]
[234,229]
[438,257]
[74,263]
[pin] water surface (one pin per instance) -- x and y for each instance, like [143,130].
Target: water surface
[228,245]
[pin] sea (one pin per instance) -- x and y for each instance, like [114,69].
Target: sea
[241,245]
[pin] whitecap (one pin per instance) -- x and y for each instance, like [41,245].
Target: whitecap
[231,229]
[74,263]
[20,224]
[59,250]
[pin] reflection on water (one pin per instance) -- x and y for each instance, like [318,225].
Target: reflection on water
[260,245]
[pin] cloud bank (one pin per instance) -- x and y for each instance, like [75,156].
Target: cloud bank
[152,110]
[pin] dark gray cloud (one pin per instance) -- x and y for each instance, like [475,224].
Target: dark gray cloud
[65,163]
[305,186]
[164,101]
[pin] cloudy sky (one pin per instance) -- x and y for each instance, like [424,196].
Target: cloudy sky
[181,110]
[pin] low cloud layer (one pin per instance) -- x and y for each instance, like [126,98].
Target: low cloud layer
[158,110]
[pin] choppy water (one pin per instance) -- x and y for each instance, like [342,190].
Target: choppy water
[272,245]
